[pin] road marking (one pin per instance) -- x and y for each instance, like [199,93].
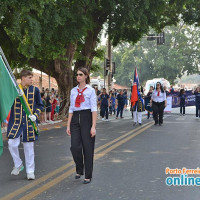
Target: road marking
[181,118]
[35,183]
[64,167]
[177,122]
[60,178]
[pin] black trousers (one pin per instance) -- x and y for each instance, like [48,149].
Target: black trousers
[82,145]
[104,109]
[120,109]
[158,109]
[182,109]
[198,111]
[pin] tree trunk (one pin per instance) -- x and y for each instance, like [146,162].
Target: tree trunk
[88,50]
[61,70]
[65,84]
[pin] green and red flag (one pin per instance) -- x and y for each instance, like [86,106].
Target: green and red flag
[9,90]
[8,93]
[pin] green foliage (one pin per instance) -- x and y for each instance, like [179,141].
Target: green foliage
[43,29]
[179,55]
[191,13]
[98,62]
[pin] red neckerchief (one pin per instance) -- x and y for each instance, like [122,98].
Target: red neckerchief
[80,98]
[158,93]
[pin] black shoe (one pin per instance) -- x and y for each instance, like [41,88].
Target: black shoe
[87,181]
[134,124]
[156,124]
[160,124]
[140,124]
[77,176]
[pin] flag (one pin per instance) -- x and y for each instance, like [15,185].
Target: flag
[135,92]
[8,93]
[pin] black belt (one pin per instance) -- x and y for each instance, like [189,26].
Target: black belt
[158,102]
[81,111]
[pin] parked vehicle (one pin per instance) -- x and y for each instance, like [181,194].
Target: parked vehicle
[153,82]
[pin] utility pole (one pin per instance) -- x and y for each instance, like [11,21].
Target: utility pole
[40,81]
[49,83]
[109,57]
[109,67]
[104,72]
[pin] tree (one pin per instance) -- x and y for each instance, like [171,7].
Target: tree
[44,35]
[54,35]
[179,55]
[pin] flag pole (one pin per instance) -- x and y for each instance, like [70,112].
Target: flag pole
[22,97]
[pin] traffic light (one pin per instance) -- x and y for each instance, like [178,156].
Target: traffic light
[161,38]
[113,67]
[107,66]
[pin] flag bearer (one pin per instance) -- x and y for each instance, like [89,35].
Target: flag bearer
[19,126]
[138,108]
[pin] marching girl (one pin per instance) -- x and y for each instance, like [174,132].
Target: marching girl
[82,125]
[158,103]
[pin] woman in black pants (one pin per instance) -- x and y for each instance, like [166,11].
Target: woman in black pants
[158,103]
[82,125]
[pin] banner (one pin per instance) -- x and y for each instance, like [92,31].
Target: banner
[169,105]
[190,99]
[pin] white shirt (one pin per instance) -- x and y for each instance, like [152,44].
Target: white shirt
[160,98]
[89,96]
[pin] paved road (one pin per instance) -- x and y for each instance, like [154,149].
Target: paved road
[130,163]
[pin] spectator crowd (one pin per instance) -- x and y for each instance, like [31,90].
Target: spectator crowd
[52,102]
